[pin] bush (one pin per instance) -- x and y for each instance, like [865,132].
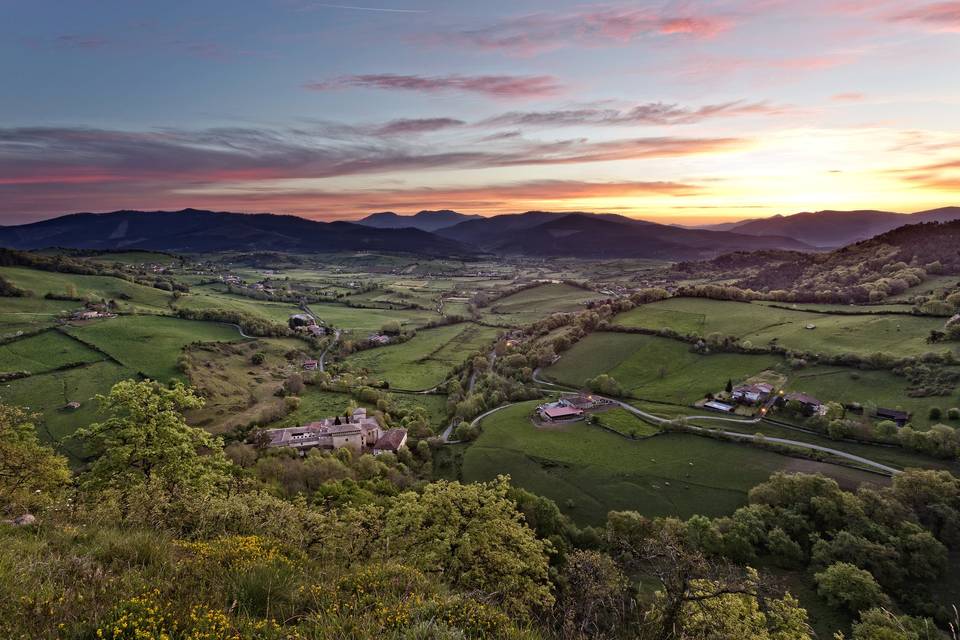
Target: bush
[935,413]
[953,414]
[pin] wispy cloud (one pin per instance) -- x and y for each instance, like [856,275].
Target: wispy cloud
[592,26]
[651,113]
[348,7]
[939,16]
[497,86]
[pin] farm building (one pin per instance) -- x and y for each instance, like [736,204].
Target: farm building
[379,339]
[809,404]
[558,411]
[716,405]
[316,331]
[752,393]
[584,401]
[390,442]
[900,417]
[311,365]
[356,432]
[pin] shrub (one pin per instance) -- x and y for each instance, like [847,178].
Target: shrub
[953,413]
[935,413]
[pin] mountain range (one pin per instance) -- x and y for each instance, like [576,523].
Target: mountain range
[832,229]
[423,220]
[444,232]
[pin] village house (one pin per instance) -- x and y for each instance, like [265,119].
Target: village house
[752,393]
[559,411]
[895,415]
[390,442]
[357,432]
[316,331]
[311,365]
[809,404]
[380,339]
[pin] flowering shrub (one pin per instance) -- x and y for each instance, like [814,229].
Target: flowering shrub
[232,553]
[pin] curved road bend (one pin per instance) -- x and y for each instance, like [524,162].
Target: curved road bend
[657,420]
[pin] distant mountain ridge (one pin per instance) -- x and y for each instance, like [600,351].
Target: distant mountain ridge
[832,229]
[423,220]
[586,235]
[197,231]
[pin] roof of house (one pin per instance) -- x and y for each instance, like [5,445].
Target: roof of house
[802,398]
[713,404]
[392,440]
[896,414]
[561,412]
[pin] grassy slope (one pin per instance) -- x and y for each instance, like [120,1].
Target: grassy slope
[653,367]
[44,352]
[897,335]
[151,344]
[425,360]
[530,305]
[363,321]
[31,312]
[624,422]
[670,474]
[42,282]
[209,298]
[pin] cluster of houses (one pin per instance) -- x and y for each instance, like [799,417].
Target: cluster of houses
[570,408]
[91,314]
[303,323]
[356,431]
[764,395]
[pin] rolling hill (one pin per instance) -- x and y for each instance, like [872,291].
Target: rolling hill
[424,220]
[541,233]
[194,231]
[831,229]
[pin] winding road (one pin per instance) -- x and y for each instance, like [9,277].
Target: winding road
[657,420]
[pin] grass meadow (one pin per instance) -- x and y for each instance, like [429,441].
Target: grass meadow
[588,471]
[130,296]
[653,367]
[532,304]
[425,360]
[44,352]
[898,335]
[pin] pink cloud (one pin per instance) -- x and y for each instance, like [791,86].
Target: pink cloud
[592,25]
[497,86]
[939,16]
[852,96]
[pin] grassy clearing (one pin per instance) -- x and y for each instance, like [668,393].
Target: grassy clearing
[530,305]
[654,367]
[202,298]
[880,388]
[898,335]
[30,313]
[47,394]
[151,344]
[425,360]
[44,352]
[130,296]
[626,423]
[589,471]
[363,321]
[436,406]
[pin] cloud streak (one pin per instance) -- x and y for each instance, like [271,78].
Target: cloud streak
[939,16]
[592,26]
[651,113]
[495,86]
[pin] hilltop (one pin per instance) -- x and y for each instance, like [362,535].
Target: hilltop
[423,220]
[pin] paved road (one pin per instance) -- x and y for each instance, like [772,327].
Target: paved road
[323,356]
[657,420]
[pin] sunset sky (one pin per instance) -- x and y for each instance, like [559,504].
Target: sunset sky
[686,112]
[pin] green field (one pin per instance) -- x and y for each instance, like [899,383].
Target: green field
[204,297]
[898,335]
[588,471]
[362,321]
[532,304]
[44,352]
[626,423]
[47,394]
[128,295]
[653,367]
[425,360]
[151,344]
[880,388]
[30,313]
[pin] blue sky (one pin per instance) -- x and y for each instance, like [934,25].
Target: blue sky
[679,111]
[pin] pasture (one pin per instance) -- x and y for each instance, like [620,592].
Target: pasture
[128,295]
[655,368]
[48,393]
[533,304]
[207,297]
[31,313]
[363,321]
[898,335]
[425,360]
[151,345]
[588,471]
[44,352]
